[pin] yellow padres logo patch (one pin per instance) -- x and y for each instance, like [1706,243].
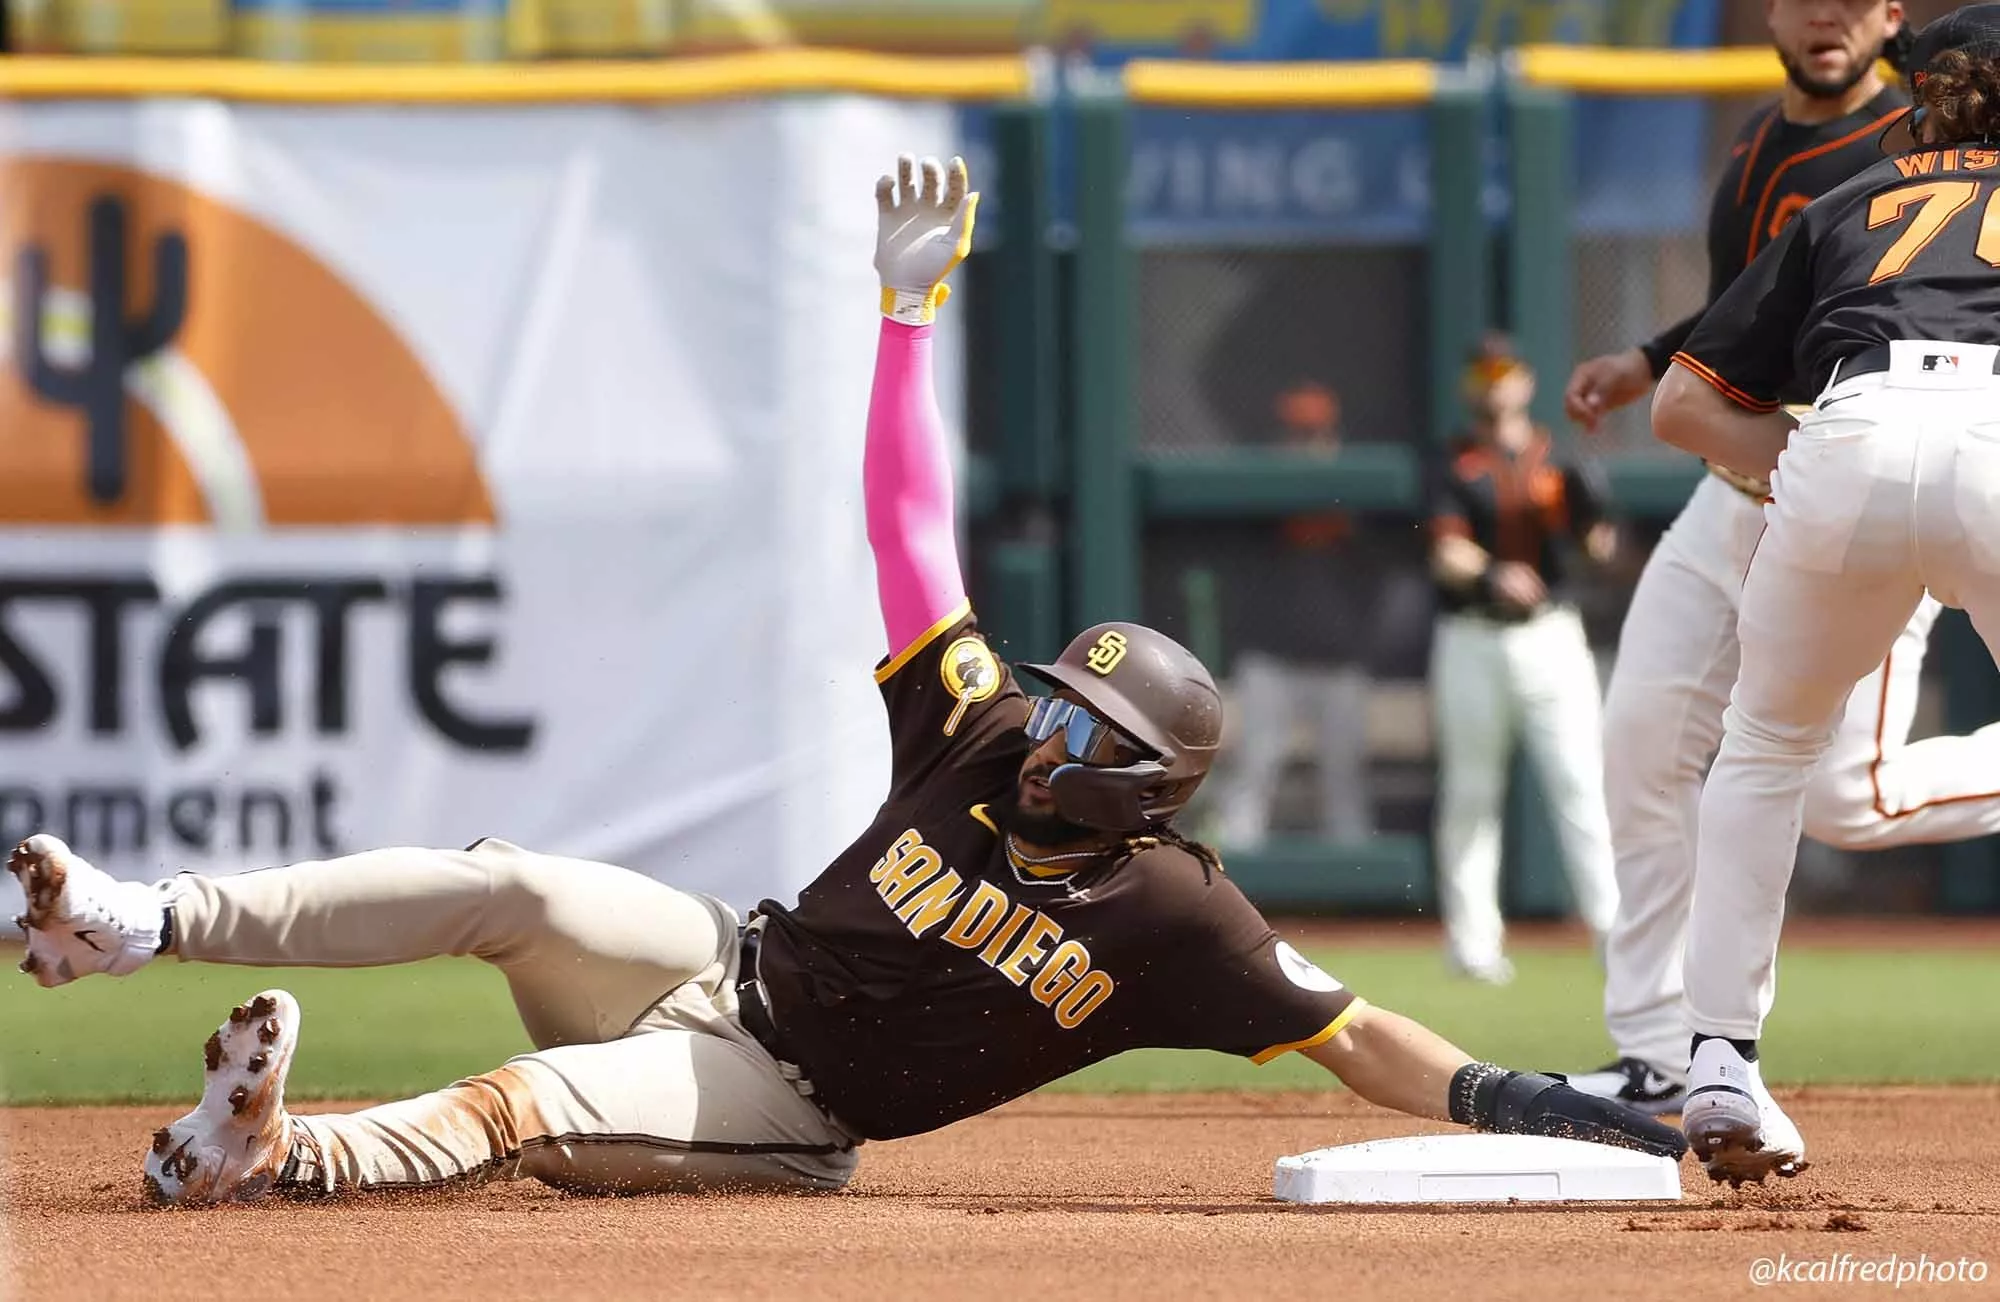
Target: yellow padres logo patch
[969,670]
[970,673]
[1106,652]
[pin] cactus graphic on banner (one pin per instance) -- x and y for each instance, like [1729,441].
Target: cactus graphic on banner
[96,387]
[167,358]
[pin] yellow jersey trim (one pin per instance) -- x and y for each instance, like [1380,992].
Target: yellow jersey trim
[929,635]
[1333,1028]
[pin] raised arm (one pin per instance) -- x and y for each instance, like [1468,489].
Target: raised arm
[906,472]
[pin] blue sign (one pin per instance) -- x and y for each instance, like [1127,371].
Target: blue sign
[1364,176]
[1110,31]
[1266,177]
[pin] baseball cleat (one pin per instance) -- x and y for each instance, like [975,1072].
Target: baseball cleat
[1497,971]
[1635,1083]
[1733,1125]
[234,1145]
[81,920]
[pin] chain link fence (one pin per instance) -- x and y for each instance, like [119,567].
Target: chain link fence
[1318,621]
[1629,287]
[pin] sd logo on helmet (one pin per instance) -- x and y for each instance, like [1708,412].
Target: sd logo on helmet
[1154,691]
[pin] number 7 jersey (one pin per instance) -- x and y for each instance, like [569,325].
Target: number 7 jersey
[1909,249]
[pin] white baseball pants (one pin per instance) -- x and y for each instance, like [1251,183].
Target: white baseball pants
[643,1079]
[1677,660]
[1889,487]
[1271,696]
[1493,683]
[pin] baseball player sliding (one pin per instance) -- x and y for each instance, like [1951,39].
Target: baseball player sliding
[1678,652]
[1021,906]
[1883,299]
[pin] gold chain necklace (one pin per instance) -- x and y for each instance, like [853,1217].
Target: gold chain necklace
[1020,856]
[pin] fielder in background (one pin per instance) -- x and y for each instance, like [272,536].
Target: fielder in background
[1677,654]
[1510,661]
[1883,298]
[1304,657]
[1021,907]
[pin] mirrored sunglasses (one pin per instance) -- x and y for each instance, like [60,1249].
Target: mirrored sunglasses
[1088,739]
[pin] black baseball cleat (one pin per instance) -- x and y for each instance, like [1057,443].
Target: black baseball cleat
[1635,1083]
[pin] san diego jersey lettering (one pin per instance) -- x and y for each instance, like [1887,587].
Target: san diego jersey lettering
[931,978]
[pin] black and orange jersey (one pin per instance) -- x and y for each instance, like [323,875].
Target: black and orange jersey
[927,975]
[1531,506]
[1775,169]
[1909,249]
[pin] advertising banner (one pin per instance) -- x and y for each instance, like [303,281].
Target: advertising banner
[408,477]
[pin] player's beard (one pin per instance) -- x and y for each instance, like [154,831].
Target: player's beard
[1046,829]
[1818,89]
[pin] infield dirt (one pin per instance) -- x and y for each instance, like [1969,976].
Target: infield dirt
[1156,1197]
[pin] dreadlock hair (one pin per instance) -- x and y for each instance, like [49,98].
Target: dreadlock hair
[1960,96]
[1166,834]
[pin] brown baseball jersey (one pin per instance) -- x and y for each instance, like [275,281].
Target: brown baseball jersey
[927,975]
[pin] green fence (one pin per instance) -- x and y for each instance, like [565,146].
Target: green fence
[1069,493]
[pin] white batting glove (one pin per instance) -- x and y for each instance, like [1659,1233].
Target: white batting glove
[920,236]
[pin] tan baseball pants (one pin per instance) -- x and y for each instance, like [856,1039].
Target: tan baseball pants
[643,1079]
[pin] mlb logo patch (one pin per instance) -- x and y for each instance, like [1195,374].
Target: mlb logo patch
[1943,363]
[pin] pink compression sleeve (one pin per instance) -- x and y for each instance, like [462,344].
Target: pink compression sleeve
[906,480]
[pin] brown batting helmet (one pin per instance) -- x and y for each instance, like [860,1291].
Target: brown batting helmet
[1154,690]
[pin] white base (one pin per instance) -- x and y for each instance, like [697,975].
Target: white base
[1475,1168]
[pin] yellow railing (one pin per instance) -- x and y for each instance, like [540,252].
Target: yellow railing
[766,72]
[1597,70]
[1371,84]
[1195,84]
